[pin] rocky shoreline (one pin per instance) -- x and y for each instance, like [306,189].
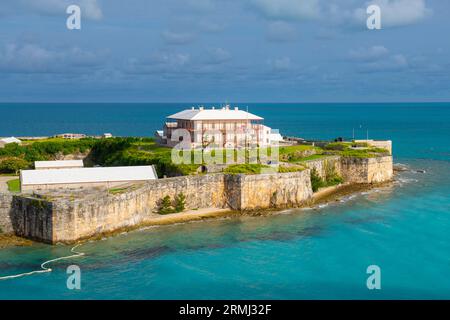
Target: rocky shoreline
[14,241]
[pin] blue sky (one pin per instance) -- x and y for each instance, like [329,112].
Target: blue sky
[224,50]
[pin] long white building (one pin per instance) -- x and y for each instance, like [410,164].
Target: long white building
[76,178]
[223,127]
[58,164]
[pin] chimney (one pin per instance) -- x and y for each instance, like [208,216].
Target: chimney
[193,108]
[201,108]
[236,108]
[214,108]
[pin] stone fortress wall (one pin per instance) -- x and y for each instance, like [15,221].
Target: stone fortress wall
[63,219]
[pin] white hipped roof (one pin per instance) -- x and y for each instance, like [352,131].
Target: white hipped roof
[276,137]
[10,140]
[58,164]
[88,175]
[214,114]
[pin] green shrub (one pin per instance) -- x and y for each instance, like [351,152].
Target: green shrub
[331,176]
[316,181]
[138,152]
[165,206]
[47,149]
[180,202]
[13,165]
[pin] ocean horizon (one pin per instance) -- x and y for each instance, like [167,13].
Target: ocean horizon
[322,253]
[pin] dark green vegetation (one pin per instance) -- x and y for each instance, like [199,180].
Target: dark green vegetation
[14,185]
[331,178]
[166,206]
[180,202]
[138,151]
[145,151]
[13,165]
[14,157]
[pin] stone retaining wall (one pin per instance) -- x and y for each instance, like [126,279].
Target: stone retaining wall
[324,164]
[367,170]
[67,218]
[5,213]
[250,192]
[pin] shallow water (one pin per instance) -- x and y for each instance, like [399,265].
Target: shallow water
[296,254]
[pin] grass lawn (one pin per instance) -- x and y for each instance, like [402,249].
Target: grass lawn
[117,190]
[245,168]
[14,185]
[295,148]
[314,157]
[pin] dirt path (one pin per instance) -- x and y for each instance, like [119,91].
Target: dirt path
[3,183]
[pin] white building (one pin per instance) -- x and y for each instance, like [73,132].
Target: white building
[58,164]
[77,178]
[71,136]
[5,141]
[223,127]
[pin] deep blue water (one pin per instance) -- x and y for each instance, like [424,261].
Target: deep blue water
[297,254]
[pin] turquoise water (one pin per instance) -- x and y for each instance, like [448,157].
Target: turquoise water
[297,254]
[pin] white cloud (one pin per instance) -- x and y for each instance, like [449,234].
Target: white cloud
[367,54]
[377,59]
[90,9]
[33,58]
[218,56]
[160,63]
[280,64]
[287,9]
[343,12]
[397,12]
[280,31]
[210,26]
[200,5]
[172,37]
[393,63]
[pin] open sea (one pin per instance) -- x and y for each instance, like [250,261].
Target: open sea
[321,253]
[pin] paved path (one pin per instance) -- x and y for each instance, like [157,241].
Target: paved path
[3,181]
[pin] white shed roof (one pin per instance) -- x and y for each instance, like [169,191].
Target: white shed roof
[87,175]
[58,164]
[10,140]
[214,114]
